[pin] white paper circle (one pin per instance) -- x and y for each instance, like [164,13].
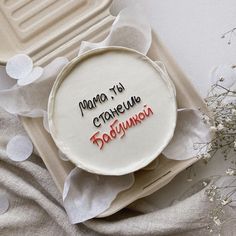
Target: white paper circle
[19,66]
[31,77]
[19,148]
[4,204]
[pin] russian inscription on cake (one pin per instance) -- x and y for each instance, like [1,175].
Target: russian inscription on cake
[117,129]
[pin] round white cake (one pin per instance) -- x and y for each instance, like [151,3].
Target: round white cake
[112,111]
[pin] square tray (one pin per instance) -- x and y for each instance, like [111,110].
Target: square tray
[48,41]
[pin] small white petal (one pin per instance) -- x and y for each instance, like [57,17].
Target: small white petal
[213,129]
[31,77]
[19,148]
[220,127]
[4,204]
[19,66]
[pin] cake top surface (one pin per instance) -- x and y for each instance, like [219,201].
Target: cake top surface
[112,111]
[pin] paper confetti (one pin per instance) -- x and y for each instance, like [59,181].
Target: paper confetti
[19,66]
[31,100]
[19,148]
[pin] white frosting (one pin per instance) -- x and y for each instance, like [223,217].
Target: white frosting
[94,73]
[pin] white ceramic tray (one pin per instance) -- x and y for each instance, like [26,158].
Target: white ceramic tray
[56,28]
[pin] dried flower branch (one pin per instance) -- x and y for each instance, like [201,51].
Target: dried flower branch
[220,196]
[230,34]
[221,102]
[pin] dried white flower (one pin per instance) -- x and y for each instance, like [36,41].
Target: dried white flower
[213,129]
[231,172]
[217,221]
[221,101]
[226,201]
[220,127]
[206,156]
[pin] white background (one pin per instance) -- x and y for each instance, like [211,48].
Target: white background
[191,30]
